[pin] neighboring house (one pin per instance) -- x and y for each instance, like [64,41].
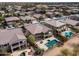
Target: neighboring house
[27,19]
[22,13]
[12,39]
[30,13]
[49,14]
[75,11]
[73,23]
[17,13]
[9,8]
[12,20]
[37,16]
[18,7]
[39,31]
[76,18]
[46,19]
[55,25]
[2,12]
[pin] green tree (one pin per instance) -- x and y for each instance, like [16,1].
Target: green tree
[31,39]
[1,18]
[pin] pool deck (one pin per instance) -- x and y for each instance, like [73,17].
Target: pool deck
[63,33]
[42,45]
[57,50]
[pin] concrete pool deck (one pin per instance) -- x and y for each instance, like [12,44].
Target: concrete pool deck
[67,33]
[57,50]
[42,45]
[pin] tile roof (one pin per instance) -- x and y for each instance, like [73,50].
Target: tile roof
[54,23]
[74,18]
[11,36]
[36,28]
[26,18]
[11,19]
[72,22]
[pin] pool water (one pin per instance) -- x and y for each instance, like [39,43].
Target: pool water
[68,34]
[51,43]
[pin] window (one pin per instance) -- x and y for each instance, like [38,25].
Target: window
[21,42]
[14,44]
[5,44]
[0,46]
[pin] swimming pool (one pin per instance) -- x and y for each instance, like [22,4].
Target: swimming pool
[49,44]
[68,34]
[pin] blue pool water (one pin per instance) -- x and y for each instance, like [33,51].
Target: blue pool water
[68,34]
[51,43]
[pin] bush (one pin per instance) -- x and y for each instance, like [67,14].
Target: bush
[39,51]
[22,54]
[62,38]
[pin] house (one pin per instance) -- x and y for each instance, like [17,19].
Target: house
[75,11]
[74,17]
[46,19]
[41,6]
[2,12]
[22,13]
[18,7]
[17,13]
[39,31]
[12,20]
[55,25]
[37,16]
[72,23]
[12,39]
[30,13]
[49,14]
[27,19]
[9,8]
